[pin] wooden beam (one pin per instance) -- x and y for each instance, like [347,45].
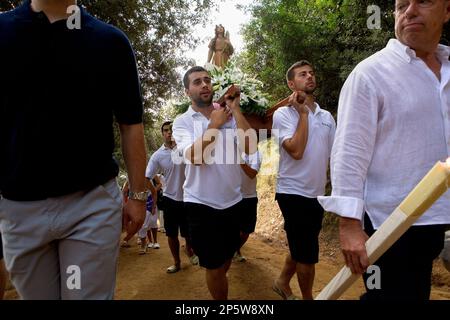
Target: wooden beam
[420,199]
[233,91]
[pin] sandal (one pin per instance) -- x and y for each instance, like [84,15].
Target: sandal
[282,294]
[239,258]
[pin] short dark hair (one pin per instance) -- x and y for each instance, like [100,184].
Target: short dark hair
[189,72]
[165,124]
[290,73]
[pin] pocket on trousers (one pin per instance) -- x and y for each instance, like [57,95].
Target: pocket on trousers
[112,190]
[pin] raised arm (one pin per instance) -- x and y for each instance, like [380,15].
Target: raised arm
[196,152]
[251,173]
[246,135]
[296,145]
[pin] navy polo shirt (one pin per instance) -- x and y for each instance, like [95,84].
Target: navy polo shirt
[60,90]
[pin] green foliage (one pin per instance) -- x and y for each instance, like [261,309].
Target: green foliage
[333,35]
[182,106]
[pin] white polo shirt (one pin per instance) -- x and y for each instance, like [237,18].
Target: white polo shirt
[393,126]
[217,185]
[248,187]
[306,177]
[161,162]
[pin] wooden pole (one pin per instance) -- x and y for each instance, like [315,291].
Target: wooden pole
[429,189]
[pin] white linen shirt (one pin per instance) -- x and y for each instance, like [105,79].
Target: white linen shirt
[306,177]
[248,187]
[161,162]
[217,184]
[393,126]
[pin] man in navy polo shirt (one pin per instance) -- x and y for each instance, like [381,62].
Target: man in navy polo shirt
[60,214]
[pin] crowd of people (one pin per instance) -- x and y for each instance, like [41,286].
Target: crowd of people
[393,125]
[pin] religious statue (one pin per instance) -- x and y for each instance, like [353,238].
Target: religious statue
[220,48]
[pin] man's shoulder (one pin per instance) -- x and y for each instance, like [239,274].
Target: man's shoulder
[286,110]
[372,70]
[329,117]
[105,29]
[327,113]
[7,18]
[374,62]
[182,119]
[284,113]
[155,156]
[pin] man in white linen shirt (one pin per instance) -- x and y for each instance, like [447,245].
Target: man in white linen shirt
[212,191]
[393,126]
[305,133]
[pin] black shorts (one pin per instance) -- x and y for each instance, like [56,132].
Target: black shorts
[302,222]
[175,218]
[406,267]
[215,234]
[247,214]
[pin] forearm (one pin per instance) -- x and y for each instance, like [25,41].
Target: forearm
[251,173]
[297,144]
[245,131]
[353,239]
[152,189]
[158,183]
[195,153]
[133,150]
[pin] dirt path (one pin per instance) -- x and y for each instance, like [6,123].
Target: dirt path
[144,277]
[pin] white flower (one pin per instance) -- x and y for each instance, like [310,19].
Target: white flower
[244,97]
[251,88]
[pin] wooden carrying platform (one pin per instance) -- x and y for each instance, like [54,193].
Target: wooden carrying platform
[256,121]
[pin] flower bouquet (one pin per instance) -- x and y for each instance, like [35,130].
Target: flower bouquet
[253,100]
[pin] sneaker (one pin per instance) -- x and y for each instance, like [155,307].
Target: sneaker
[194,260]
[150,245]
[156,245]
[139,241]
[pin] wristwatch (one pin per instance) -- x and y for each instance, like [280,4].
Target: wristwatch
[141,196]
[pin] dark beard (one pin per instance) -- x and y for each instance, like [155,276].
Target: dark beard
[310,92]
[202,103]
